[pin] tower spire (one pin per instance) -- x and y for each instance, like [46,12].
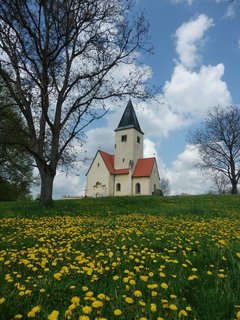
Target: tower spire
[129,119]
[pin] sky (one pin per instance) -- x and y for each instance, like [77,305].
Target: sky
[196,65]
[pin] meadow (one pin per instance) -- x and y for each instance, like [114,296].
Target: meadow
[143,258]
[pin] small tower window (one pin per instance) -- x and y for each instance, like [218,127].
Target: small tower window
[123,159]
[98,164]
[118,187]
[137,188]
[138,139]
[124,138]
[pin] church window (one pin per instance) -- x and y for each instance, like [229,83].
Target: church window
[123,159]
[124,138]
[118,187]
[98,164]
[137,188]
[138,139]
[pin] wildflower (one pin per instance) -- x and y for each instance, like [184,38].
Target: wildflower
[172,307]
[87,309]
[32,313]
[129,300]
[188,308]
[75,300]
[97,304]
[192,277]
[83,317]
[182,313]
[153,307]
[53,315]
[137,293]
[152,286]
[164,285]
[57,275]
[238,254]
[2,300]
[84,288]
[238,315]
[115,278]
[154,293]
[144,278]
[117,312]
[18,316]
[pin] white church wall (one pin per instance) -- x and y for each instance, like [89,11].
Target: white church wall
[98,179]
[124,180]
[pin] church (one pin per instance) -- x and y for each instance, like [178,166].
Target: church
[126,172]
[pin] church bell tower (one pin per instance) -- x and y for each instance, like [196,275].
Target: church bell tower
[128,140]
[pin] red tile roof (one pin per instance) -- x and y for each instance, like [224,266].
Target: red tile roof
[144,167]
[109,162]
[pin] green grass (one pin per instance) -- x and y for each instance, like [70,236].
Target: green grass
[181,253]
[199,205]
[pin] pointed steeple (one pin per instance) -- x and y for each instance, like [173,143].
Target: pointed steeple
[129,119]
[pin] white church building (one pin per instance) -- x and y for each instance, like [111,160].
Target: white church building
[126,172]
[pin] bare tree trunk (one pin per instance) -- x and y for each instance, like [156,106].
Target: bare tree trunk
[234,187]
[47,178]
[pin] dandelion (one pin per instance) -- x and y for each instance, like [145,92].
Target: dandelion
[153,307]
[18,316]
[172,307]
[32,313]
[75,300]
[2,300]
[87,309]
[137,293]
[152,286]
[164,285]
[117,312]
[182,313]
[84,317]
[97,304]
[53,315]
[129,300]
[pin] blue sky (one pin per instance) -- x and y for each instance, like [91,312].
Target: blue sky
[196,64]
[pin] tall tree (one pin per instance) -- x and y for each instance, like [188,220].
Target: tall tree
[61,60]
[218,143]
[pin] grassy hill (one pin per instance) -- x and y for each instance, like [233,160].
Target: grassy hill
[134,258]
[200,205]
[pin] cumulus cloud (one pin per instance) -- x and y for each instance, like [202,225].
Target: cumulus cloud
[189,36]
[184,177]
[193,93]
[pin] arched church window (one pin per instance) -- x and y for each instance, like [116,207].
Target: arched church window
[137,188]
[118,187]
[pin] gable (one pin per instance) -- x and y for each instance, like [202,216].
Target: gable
[144,167]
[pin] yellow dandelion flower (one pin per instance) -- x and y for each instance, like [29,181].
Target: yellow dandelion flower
[97,304]
[137,293]
[2,300]
[152,286]
[238,315]
[132,282]
[84,317]
[75,300]
[182,313]
[164,285]
[84,288]
[172,307]
[238,254]
[115,278]
[87,309]
[129,300]
[153,307]
[188,308]
[142,303]
[154,293]
[117,312]
[53,315]
[18,316]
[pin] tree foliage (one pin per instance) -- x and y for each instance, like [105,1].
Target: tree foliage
[218,143]
[61,60]
[15,162]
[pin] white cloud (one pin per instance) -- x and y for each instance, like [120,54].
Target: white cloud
[184,177]
[189,36]
[193,93]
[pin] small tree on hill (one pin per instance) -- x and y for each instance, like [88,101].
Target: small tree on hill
[218,144]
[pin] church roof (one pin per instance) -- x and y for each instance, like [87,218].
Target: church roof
[109,162]
[144,167]
[129,119]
